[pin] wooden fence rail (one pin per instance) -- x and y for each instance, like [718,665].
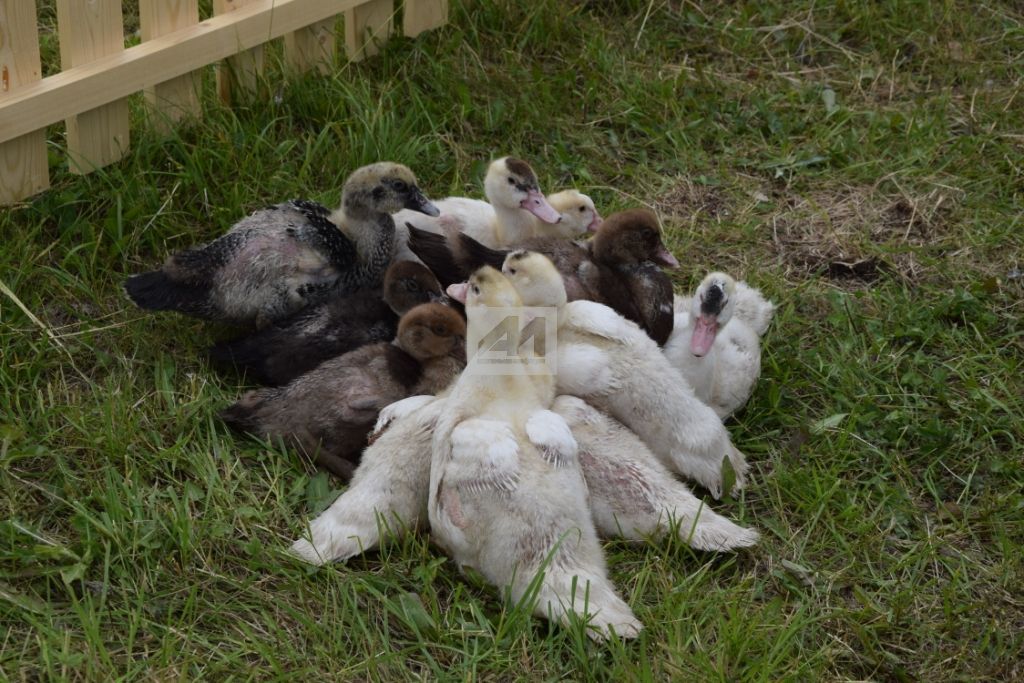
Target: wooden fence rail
[98,73]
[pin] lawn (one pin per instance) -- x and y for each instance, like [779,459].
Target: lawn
[860,162]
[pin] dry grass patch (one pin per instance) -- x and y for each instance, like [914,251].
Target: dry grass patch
[854,234]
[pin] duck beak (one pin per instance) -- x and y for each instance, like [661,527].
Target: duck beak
[704,330]
[593,225]
[416,201]
[459,291]
[537,204]
[665,258]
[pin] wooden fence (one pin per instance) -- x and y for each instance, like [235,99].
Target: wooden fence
[98,73]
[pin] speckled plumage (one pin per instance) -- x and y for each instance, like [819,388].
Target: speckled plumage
[287,256]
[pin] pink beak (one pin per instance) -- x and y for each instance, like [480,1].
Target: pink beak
[459,291]
[704,330]
[537,204]
[596,223]
[665,258]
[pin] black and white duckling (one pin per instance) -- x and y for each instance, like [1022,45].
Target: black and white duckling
[514,211]
[390,484]
[507,497]
[328,411]
[620,267]
[634,496]
[284,257]
[282,351]
[716,341]
[613,365]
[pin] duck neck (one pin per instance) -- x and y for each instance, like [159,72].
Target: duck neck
[513,225]
[372,233]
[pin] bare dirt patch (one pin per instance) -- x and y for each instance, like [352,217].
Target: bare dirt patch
[687,201]
[855,234]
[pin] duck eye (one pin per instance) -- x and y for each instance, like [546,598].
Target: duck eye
[476,290]
[400,186]
[511,271]
[582,209]
[511,180]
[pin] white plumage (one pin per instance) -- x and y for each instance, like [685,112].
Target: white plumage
[612,364]
[716,341]
[507,497]
[632,495]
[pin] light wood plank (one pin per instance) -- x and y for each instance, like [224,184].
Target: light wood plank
[312,47]
[89,30]
[86,87]
[423,15]
[178,98]
[367,27]
[23,168]
[242,71]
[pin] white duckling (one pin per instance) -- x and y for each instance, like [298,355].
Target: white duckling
[612,364]
[716,341]
[632,495]
[390,483]
[507,497]
[514,208]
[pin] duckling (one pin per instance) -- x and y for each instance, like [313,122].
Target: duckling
[506,494]
[619,267]
[280,352]
[609,362]
[328,411]
[632,495]
[716,343]
[390,482]
[578,212]
[514,211]
[287,256]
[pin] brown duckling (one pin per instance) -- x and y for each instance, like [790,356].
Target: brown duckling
[285,257]
[279,353]
[619,267]
[328,412]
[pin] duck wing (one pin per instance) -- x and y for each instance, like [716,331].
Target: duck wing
[452,257]
[279,353]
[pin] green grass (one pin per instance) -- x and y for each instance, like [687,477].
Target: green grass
[777,140]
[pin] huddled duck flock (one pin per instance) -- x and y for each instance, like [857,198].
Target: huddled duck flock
[357,324]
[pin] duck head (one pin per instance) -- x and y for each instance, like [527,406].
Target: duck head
[631,237]
[535,278]
[512,183]
[579,215]
[384,187]
[486,287]
[408,284]
[431,331]
[711,309]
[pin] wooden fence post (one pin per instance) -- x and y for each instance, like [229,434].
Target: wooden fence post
[23,168]
[312,47]
[178,98]
[88,31]
[423,15]
[243,69]
[366,27]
